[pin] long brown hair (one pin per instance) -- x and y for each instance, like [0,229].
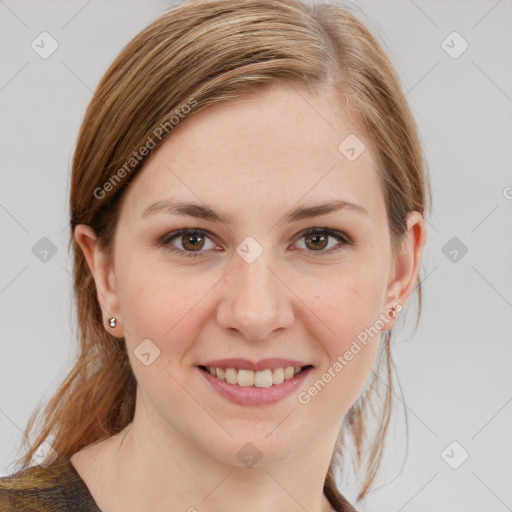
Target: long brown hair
[201,53]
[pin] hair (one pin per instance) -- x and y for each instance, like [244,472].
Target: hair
[202,53]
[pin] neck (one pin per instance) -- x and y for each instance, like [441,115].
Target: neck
[149,466]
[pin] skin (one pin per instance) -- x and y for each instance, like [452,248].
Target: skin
[181,449]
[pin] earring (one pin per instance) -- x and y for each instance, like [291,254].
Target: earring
[392,312]
[112,321]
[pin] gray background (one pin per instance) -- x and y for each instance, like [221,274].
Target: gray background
[455,370]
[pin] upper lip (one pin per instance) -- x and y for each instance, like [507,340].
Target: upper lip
[246,364]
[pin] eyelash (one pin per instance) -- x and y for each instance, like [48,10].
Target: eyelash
[338,235]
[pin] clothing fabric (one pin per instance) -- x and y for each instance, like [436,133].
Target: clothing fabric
[59,488]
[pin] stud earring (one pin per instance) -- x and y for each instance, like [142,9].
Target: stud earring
[392,311]
[112,321]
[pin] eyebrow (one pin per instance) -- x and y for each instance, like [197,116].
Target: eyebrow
[172,207]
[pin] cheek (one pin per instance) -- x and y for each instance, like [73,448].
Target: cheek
[347,302]
[349,308]
[161,304]
[156,300]
[151,280]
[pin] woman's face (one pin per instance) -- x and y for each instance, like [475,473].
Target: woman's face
[253,286]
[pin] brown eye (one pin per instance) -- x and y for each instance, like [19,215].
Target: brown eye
[188,242]
[316,241]
[192,242]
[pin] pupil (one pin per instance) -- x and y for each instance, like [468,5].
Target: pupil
[194,240]
[317,238]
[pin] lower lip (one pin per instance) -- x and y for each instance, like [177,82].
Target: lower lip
[250,395]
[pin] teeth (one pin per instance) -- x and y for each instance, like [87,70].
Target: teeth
[231,376]
[289,372]
[245,378]
[263,379]
[277,376]
[259,379]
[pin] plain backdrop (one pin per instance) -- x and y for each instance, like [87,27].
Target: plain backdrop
[455,369]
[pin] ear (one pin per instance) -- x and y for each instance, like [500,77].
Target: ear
[104,278]
[405,266]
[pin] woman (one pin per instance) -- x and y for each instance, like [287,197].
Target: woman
[247,209]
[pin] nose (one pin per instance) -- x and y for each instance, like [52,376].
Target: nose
[256,301]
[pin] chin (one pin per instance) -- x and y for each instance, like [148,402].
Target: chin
[255,448]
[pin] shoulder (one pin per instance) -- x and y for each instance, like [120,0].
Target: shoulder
[54,488]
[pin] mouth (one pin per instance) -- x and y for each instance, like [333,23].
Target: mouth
[265,378]
[256,384]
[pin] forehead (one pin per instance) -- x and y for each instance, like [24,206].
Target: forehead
[275,147]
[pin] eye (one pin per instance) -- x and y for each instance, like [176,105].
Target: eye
[317,239]
[191,241]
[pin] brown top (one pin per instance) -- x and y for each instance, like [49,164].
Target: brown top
[59,488]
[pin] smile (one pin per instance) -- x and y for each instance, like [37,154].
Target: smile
[254,387]
[259,379]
